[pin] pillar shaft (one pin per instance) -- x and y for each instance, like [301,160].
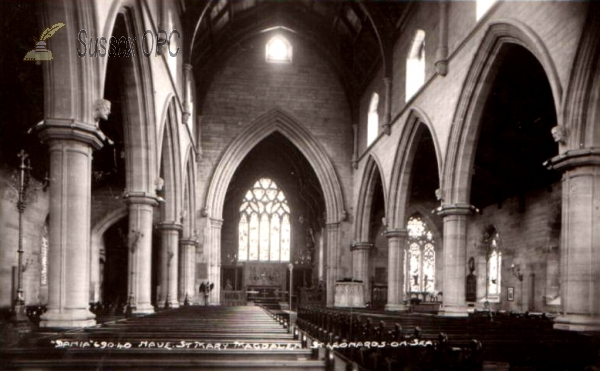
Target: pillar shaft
[187,271]
[70,148]
[333,258]
[455,259]
[396,245]
[580,241]
[141,209]
[169,263]
[360,266]
[214,261]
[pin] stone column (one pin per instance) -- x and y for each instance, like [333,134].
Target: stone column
[333,258]
[169,264]
[141,210]
[396,291]
[360,266]
[187,271]
[387,108]
[214,260]
[580,240]
[455,259]
[70,146]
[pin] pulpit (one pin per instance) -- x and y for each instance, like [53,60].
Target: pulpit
[349,294]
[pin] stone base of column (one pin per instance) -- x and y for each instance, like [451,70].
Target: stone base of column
[69,318]
[172,304]
[575,322]
[396,307]
[142,309]
[453,311]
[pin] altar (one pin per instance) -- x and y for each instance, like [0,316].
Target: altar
[349,294]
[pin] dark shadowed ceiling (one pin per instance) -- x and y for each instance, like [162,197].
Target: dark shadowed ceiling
[354,37]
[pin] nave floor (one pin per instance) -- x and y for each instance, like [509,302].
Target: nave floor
[191,337]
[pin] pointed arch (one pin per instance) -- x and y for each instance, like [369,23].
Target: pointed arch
[365,198]
[171,166]
[139,124]
[189,195]
[456,181]
[280,121]
[416,124]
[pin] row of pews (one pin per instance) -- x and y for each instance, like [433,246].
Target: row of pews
[405,341]
[190,337]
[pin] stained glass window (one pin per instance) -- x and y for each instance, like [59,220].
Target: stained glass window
[494,264]
[420,257]
[264,228]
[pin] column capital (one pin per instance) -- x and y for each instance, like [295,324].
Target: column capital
[169,226]
[187,67]
[140,198]
[361,246]
[398,233]
[188,242]
[70,129]
[455,209]
[214,222]
[574,158]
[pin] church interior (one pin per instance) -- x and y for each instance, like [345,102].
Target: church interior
[293,174]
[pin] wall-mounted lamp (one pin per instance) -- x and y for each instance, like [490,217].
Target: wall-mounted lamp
[516,271]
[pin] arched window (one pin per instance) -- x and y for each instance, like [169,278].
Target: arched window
[415,65]
[420,257]
[491,242]
[264,229]
[373,120]
[482,7]
[44,256]
[279,50]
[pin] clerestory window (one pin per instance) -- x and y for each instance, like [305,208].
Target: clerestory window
[264,228]
[373,119]
[279,50]
[415,65]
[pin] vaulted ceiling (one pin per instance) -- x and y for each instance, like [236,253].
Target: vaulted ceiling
[355,37]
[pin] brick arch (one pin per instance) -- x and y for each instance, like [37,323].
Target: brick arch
[456,181]
[276,120]
[365,199]
[416,123]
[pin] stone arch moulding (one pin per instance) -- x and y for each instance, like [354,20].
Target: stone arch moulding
[365,198]
[140,129]
[416,122]
[189,178]
[276,120]
[455,183]
[171,156]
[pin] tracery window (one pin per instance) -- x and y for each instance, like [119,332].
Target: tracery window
[415,65]
[264,228]
[420,256]
[491,242]
[279,50]
[373,119]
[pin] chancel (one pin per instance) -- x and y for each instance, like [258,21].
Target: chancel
[300,184]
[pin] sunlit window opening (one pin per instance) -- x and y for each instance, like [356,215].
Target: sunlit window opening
[373,119]
[415,65]
[483,6]
[264,229]
[420,257]
[494,265]
[279,50]
[44,256]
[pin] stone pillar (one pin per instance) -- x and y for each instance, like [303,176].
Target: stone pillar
[396,291]
[70,149]
[360,266]
[333,258]
[169,264]
[387,108]
[214,260]
[580,240]
[187,271]
[141,210]
[455,259]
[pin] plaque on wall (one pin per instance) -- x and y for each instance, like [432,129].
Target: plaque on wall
[201,271]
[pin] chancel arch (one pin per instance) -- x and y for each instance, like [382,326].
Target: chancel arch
[275,121]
